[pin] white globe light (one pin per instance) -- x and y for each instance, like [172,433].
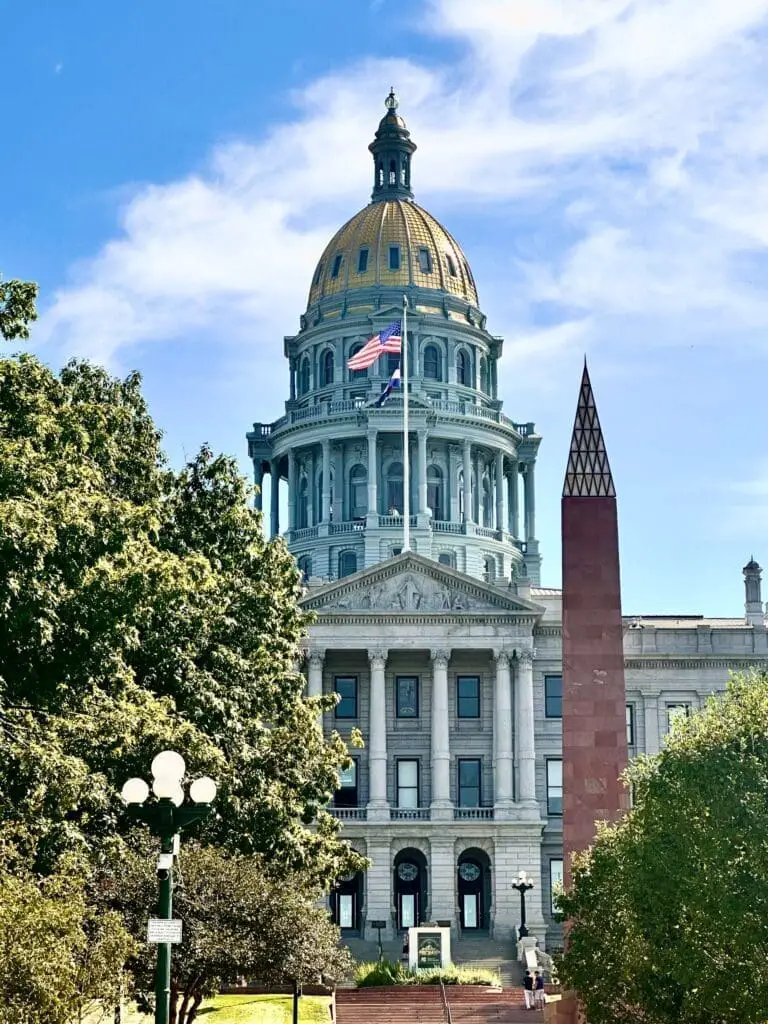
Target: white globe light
[135,791]
[169,765]
[177,797]
[203,791]
[165,788]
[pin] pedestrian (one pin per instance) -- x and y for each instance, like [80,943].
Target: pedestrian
[528,990]
[538,990]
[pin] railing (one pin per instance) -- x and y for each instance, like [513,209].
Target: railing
[347,406]
[394,521]
[348,813]
[306,533]
[353,526]
[487,531]
[310,413]
[442,526]
[343,408]
[473,813]
[409,814]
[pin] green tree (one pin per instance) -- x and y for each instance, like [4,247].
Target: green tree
[142,608]
[237,923]
[669,910]
[17,308]
[57,956]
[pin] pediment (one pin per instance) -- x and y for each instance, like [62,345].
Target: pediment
[411,584]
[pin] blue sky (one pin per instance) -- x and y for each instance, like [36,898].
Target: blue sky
[173,170]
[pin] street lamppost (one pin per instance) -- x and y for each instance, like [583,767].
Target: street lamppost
[523,884]
[166,817]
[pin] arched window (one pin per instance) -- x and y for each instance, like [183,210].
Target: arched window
[462,368]
[358,492]
[347,563]
[326,368]
[451,264]
[487,503]
[435,492]
[489,569]
[304,376]
[484,379]
[380,174]
[432,363]
[302,518]
[356,374]
[395,488]
[305,567]
[392,172]
[447,558]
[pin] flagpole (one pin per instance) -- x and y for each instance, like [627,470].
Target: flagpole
[406,446]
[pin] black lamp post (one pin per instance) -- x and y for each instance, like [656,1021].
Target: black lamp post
[522,885]
[166,817]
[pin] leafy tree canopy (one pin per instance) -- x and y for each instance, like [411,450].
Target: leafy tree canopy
[17,308]
[669,910]
[142,608]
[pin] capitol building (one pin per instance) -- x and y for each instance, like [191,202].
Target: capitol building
[447,656]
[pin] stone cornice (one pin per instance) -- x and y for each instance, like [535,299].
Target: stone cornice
[735,662]
[336,618]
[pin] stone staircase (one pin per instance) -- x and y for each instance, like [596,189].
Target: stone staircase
[490,954]
[427,1004]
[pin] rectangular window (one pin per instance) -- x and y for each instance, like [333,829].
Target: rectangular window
[408,784]
[451,264]
[337,261]
[630,725]
[468,696]
[346,794]
[407,696]
[554,786]
[555,881]
[676,712]
[425,260]
[553,696]
[394,257]
[470,775]
[346,687]
[362,261]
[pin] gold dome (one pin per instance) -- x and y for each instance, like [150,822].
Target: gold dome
[428,256]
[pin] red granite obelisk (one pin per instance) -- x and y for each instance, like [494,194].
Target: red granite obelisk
[594,696]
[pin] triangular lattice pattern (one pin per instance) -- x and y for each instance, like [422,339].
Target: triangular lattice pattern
[588,474]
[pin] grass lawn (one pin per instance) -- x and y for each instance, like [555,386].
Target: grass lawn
[253,1010]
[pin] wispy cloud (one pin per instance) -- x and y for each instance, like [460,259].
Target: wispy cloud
[636,130]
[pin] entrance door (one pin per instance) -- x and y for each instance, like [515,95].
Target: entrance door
[407,910]
[345,904]
[471,895]
[408,885]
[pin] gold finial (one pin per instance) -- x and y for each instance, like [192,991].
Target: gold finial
[391,102]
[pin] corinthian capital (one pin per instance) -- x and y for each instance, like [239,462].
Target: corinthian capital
[440,657]
[378,656]
[316,657]
[502,658]
[525,655]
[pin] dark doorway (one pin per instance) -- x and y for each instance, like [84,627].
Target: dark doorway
[474,885]
[410,888]
[346,904]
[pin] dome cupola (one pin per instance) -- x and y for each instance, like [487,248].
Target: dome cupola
[392,149]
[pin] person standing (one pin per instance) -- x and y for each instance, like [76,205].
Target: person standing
[528,990]
[538,990]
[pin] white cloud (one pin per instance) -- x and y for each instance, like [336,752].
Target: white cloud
[634,126]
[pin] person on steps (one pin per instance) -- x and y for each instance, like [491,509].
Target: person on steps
[528,990]
[538,990]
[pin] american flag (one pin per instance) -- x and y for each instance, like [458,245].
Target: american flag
[388,340]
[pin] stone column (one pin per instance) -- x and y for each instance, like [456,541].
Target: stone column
[503,794]
[274,473]
[442,898]
[293,380]
[423,508]
[441,754]
[292,490]
[501,511]
[372,474]
[467,481]
[378,806]
[514,500]
[379,902]
[258,479]
[325,510]
[530,503]
[311,488]
[315,659]
[525,727]
[651,719]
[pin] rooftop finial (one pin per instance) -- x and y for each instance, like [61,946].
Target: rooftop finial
[392,150]
[392,102]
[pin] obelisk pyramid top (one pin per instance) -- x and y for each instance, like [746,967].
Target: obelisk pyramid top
[588,474]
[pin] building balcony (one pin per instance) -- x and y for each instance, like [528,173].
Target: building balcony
[349,813]
[473,814]
[387,522]
[409,814]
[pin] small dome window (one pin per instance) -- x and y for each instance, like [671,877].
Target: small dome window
[462,368]
[362,260]
[425,260]
[304,376]
[394,257]
[305,567]
[432,363]
[318,275]
[356,374]
[347,563]
[447,558]
[392,172]
[326,368]
[338,259]
[451,264]
[489,570]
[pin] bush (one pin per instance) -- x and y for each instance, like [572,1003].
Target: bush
[389,973]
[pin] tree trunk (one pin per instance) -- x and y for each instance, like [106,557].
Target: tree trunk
[193,996]
[195,1007]
[173,1015]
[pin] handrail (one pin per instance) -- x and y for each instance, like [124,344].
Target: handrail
[446,1007]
